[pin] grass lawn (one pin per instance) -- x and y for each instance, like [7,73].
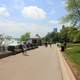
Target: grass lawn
[72,53]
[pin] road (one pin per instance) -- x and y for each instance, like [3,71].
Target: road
[39,64]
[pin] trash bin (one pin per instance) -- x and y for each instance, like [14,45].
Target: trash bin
[62,48]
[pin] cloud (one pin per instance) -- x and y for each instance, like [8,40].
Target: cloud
[4,11]
[54,24]
[42,30]
[12,28]
[34,12]
[16,29]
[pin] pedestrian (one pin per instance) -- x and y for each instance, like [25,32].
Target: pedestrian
[21,47]
[50,44]
[46,45]
[24,49]
[62,47]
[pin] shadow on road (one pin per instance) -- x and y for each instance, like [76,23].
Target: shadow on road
[6,54]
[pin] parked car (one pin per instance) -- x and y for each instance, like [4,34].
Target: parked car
[14,46]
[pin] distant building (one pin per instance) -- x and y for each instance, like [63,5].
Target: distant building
[35,40]
[55,29]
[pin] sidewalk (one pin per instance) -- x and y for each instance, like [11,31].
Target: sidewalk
[66,71]
[40,64]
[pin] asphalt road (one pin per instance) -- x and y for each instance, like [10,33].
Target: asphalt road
[39,64]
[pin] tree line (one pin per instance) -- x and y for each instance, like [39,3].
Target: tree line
[72,32]
[66,34]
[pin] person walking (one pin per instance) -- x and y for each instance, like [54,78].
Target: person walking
[23,48]
[46,45]
[50,44]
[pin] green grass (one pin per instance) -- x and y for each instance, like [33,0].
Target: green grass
[73,45]
[73,53]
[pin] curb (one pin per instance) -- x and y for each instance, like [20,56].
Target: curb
[66,70]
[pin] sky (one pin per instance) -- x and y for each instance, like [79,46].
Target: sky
[36,16]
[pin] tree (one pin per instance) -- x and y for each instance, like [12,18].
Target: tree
[72,32]
[68,33]
[1,39]
[64,36]
[53,36]
[73,8]
[25,36]
[77,37]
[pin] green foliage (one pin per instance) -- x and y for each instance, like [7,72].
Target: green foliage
[25,36]
[77,37]
[52,37]
[66,34]
[73,52]
[73,16]
[70,34]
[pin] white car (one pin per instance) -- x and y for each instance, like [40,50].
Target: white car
[14,46]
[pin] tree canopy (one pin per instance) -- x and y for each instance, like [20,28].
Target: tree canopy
[25,36]
[73,8]
[66,34]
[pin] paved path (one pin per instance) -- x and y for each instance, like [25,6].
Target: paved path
[41,64]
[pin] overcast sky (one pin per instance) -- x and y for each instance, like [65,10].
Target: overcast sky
[35,16]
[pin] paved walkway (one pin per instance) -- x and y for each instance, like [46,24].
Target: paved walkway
[40,64]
